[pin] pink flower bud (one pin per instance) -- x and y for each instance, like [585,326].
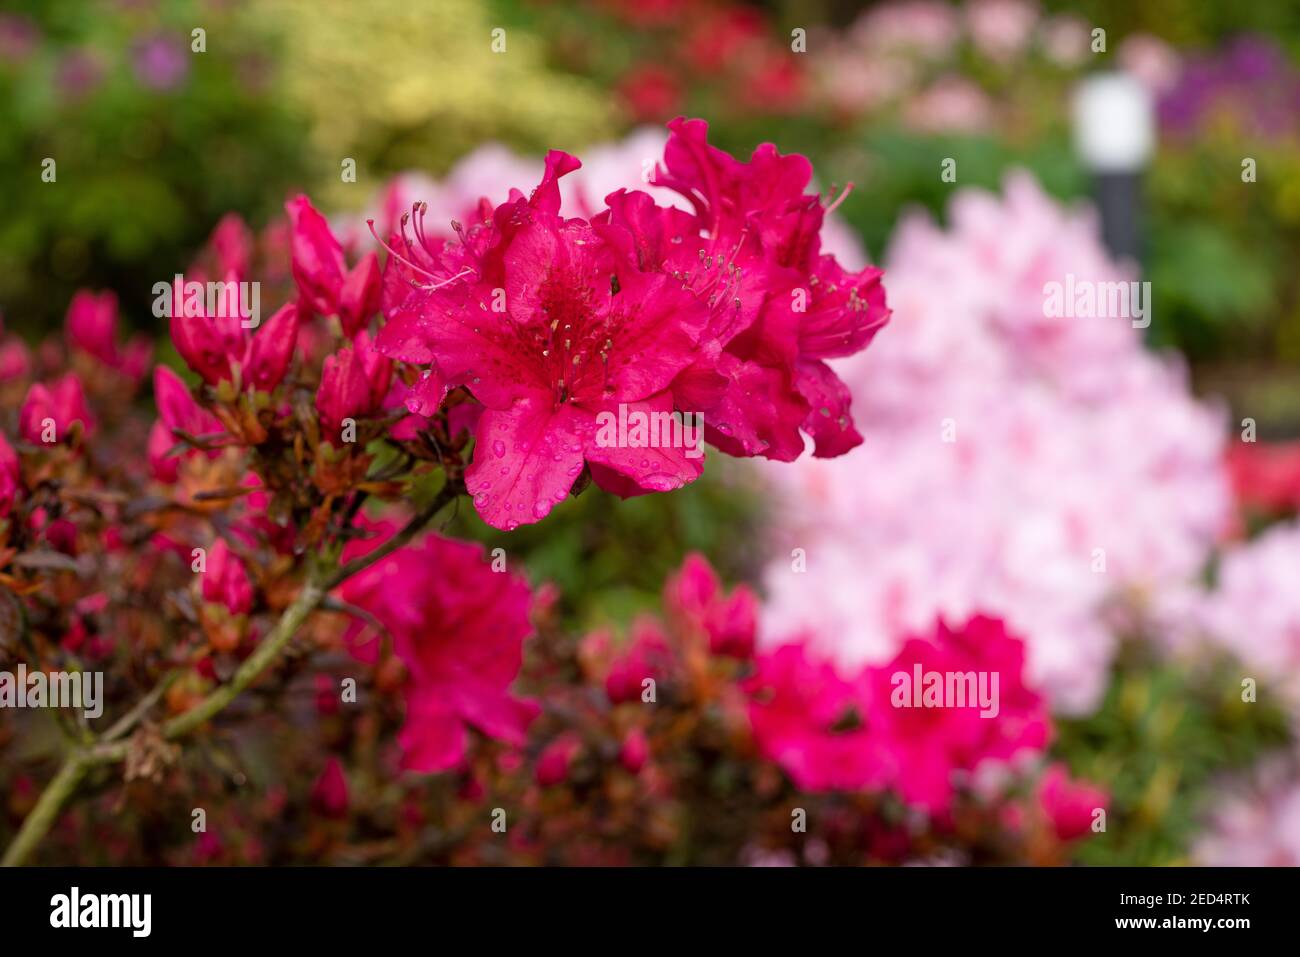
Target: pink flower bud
[318,265]
[272,349]
[199,339]
[344,391]
[226,581]
[733,624]
[635,751]
[329,796]
[232,245]
[91,325]
[553,764]
[359,296]
[62,402]
[10,476]
[1069,805]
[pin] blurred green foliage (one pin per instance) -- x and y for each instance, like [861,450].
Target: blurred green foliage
[1164,733]
[149,153]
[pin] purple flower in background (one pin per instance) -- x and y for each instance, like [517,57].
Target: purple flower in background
[18,37]
[1250,80]
[160,61]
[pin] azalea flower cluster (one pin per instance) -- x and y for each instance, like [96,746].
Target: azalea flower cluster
[278,502]
[682,741]
[1052,472]
[727,311]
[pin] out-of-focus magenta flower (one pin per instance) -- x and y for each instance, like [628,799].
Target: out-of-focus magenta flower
[812,722]
[15,359]
[555,760]
[161,61]
[221,348]
[329,795]
[695,595]
[232,246]
[18,37]
[177,410]
[10,476]
[225,581]
[929,744]
[78,74]
[652,92]
[459,629]
[91,327]
[1001,29]
[60,404]
[635,751]
[1069,805]
[646,656]
[830,732]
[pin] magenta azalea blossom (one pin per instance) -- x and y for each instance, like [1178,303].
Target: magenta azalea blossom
[459,629]
[869,732]
[561,327]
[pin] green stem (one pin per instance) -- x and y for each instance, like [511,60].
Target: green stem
[109,750]
[46,811]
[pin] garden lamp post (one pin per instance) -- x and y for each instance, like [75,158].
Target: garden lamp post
[1114,133]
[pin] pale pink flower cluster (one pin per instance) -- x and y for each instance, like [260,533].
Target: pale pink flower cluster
[1252,610]
[1256,822]
[1047,471]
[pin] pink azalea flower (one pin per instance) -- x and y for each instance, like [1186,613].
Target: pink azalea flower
[222,349]
[63,402]
[226,581]
[10,476]
[580,333]
[91,327]
[1069,805]
[459,628]
[730,621]
[809,720]
[831,732]
[177,409]
[780,307]
[931,743]
[647,655]
[727,311]
[15,359]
